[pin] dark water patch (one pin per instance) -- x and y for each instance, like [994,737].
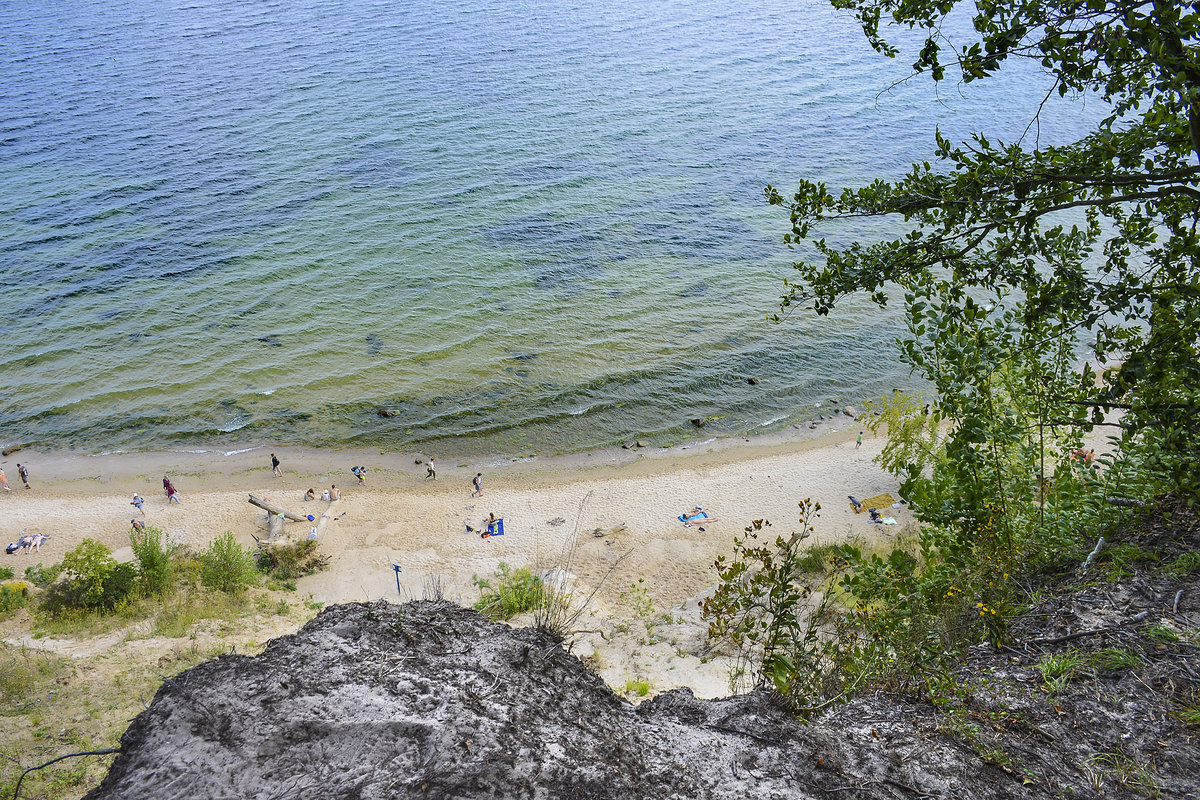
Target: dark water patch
[257,306]
[18,245]
[293,205]
[270,340]
[379,166]
[549,173]
[374,344]
[695,290]
[705,236]
[543,233]
[523,356]
[563,275]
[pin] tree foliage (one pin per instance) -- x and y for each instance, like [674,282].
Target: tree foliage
[1013,253]
[153,553]
[91,580]
[768,610]
[1008,257]
[227,566]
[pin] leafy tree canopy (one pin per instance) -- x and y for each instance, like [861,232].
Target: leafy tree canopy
[1010,253]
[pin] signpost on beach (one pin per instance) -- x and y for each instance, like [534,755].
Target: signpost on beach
[396,567]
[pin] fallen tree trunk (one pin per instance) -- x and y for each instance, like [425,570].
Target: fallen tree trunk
[274,510]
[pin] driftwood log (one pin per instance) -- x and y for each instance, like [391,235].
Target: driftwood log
[272,508]
[276,515]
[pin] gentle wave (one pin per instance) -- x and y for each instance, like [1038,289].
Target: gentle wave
[517,228]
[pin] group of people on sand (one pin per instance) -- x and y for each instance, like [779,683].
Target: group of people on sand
[139,502]
[329,495]
[22,473]
[28,543]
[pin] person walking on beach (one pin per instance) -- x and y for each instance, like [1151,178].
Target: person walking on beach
[172,492]
[430,472]
[858,443]
[4,481]
[275,470]
[360,473]
[136,502]
[23,473]
[477,484]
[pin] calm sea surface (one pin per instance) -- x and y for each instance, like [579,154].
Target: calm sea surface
[519,226]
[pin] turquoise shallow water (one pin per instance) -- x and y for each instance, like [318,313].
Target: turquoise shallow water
[519,226]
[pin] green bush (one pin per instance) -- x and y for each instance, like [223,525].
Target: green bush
[227,566]
[6,574]
[87,567]
[286,562]
[91,580]
[43,576]
[516,591]
[153,554]
[13,596]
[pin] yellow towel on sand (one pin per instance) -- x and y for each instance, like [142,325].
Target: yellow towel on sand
[884,500]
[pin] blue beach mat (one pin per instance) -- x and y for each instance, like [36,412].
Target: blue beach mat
[694,518]
[495,529]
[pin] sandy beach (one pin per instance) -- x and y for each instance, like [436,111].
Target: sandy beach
[551,507]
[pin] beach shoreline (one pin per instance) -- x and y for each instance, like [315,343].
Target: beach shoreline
[607,518]
[400,513]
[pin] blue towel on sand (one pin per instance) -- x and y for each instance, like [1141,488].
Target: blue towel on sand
[694,517]
[495,529]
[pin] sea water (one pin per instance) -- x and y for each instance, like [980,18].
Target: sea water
[511,226]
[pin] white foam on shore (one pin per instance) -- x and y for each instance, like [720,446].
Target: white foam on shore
[228,453]
[771,422]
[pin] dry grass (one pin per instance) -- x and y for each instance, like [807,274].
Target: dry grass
[77,687]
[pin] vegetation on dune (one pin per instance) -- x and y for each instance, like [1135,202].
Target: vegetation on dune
[511,592]
[54,705]
[1013,256]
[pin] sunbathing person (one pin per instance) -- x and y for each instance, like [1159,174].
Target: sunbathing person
[697,516]
[855,503]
